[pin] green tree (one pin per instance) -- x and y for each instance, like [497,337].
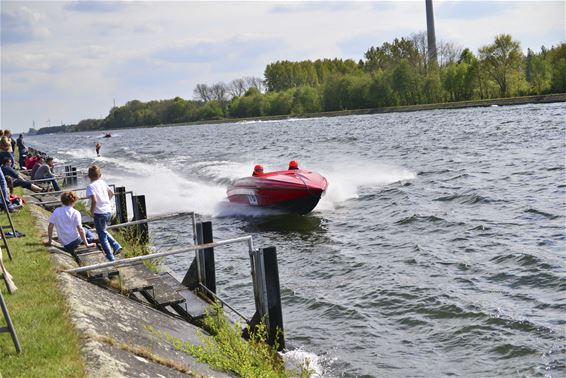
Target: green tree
[432,87]
[502,61]
[280,103]
[252,104]
[404,82]
[380,93]
[557,56]
[540,74]
[306,100]
[211,110]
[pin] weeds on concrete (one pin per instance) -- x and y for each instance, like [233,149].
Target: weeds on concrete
[225,349]
[134,245]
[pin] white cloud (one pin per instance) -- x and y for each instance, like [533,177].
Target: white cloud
[22,25]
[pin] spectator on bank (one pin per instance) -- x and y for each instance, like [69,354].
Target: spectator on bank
[45,171]
[30,161]
[17,180]
[68,222]
[5,194]
[100,195]
[38,163]
[13,143]
[6,149]
[22,151]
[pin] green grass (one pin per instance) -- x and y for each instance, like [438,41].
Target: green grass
[50,344]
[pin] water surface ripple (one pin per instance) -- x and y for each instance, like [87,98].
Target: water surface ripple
[438,249]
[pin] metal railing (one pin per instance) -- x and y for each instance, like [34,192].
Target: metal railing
[224,303]
[113,186]
[151,256]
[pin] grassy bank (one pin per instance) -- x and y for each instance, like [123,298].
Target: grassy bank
[50,344]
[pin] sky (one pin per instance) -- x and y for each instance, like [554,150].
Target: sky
[64,61]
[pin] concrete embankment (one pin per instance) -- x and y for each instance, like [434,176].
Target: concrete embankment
[115,331]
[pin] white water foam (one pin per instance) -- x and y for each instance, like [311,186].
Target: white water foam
[166,191]
[297,358]
[345,180]
[80,153]
[231,170]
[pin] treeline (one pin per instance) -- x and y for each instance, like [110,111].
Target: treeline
[393,74]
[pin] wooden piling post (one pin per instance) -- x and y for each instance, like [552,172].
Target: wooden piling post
[121,206]
[140,212]
[202,270]
[267,293]
[74,178]
[66,178]
[209,268]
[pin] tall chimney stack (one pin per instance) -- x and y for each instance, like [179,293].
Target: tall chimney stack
[431,37]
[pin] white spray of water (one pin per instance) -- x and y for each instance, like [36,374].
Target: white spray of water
[297,358]
[80,153]
[230,169]
[166,191]
[345,180]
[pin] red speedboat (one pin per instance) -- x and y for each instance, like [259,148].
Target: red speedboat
[295,191]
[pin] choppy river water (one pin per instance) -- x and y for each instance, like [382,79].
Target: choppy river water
[439,248]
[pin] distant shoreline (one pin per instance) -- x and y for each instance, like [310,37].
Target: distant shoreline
[538,99]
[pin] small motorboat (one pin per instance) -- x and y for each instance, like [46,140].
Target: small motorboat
[107,135]
[295,191]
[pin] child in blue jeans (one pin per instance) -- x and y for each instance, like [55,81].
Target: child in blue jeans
[100,195]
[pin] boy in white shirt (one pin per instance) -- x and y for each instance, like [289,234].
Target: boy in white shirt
[68,221]
[100,195]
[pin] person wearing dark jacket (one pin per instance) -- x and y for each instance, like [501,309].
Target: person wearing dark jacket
[22,151]
[17,180]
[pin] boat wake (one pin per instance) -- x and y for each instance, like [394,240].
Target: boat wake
[346,181]
[166,190]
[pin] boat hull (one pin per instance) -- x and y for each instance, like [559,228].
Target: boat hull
[289,191]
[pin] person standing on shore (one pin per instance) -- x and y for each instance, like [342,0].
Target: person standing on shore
[6,150]
[100,194]
[22,151]
[97,147]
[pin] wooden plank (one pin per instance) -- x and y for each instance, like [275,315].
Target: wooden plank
[137,277]
[95,258]
[195,306]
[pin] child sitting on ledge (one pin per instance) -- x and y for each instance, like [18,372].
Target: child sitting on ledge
[69,225]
